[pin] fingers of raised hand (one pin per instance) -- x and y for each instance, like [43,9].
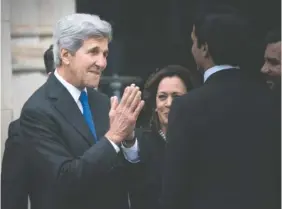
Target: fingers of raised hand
[125,96]
[132,96]
[130,105]
[114,105]
[135,101]
[129,95]
[138,109]
[114,102]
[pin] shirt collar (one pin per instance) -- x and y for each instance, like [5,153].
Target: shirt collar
[217,68]
[75,92]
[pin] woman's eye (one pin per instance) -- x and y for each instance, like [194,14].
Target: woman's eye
[162,97]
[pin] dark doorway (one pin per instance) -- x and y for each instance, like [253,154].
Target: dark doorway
[152,34]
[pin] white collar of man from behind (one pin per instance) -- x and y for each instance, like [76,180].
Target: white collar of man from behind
[217,68]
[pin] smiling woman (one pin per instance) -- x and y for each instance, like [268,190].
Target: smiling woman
[160,90]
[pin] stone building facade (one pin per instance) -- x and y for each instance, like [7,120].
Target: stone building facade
[26,33]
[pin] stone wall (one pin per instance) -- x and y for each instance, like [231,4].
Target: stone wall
[32,23]
[6,72]
[26,33]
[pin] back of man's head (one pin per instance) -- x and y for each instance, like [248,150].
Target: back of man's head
[226,32]
[49,60]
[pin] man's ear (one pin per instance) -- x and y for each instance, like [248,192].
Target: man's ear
[65,56]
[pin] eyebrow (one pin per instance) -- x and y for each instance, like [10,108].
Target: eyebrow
[272,60]
[162,92]
[96,48]
[93,49]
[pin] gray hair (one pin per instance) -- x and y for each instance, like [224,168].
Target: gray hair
[71,30]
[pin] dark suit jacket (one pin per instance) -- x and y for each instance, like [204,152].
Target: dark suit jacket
[15,171]
[71,171]
[146,187]
[223,148]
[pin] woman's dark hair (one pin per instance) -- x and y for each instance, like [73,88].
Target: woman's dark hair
[148,117]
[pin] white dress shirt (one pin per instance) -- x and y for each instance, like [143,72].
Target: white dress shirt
[130,154]
[217,68]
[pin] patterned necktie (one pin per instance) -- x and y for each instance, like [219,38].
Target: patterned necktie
[87,114]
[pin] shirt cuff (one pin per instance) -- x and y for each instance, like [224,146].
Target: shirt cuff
[131,154]
[115,146]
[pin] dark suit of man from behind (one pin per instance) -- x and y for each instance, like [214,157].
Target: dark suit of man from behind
[74,144]
[16,174]
[223,148]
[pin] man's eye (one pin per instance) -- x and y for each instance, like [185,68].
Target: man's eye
[273,62]
[106,54]
[94,52]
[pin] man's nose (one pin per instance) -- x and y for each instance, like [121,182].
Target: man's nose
[264,69]
[101,62]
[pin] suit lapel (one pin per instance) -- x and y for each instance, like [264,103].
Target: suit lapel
[67,107]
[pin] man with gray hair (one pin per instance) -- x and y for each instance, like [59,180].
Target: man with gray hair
[80,142]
